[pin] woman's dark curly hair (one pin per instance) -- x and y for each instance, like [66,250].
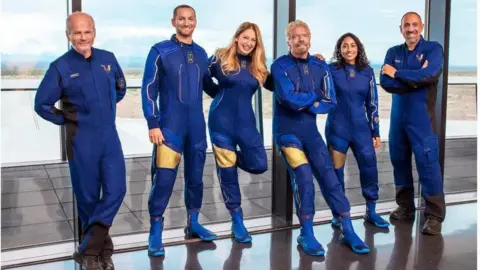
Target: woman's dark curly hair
[361,60]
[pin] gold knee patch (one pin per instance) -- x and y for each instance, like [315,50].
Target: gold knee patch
[295,157]
[225,158]
[338,158]
[166,157]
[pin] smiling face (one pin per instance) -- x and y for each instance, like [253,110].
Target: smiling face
[246,42]
[299,41]
[411,28]
[81,33]
[349,50]
[184,22]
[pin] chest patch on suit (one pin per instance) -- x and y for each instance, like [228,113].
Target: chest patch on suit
[305,69]
[190,57]
[74,75]
[419,57]
[107,68]
[243,64]
[351,73]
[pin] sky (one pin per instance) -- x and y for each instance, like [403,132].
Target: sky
[129,28]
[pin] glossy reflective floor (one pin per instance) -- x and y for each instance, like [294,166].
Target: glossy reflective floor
[399,247]
[39,198]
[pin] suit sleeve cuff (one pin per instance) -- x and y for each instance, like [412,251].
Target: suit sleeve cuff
[153,123]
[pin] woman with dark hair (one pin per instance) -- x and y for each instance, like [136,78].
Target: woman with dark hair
[355,123]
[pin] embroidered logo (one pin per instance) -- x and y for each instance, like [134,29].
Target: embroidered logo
[305,69]
[74,75]
[190,57]
[419,57]
[398,61]
[351,73]
[243,64]
[106,68]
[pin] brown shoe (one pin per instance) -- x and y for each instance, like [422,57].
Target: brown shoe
[432,227]
[87,262]
[107,263]
[403,213]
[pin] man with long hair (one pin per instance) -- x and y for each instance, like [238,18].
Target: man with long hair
[176,71]
[240,70]
[410,72]
[347,126]
[304,88]
[90,82]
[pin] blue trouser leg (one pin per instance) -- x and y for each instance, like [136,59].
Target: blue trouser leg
[322,167]
[401,158]
[364,152]
[226,161]
[194,161]
[303,191]
[165,160]
[252,156]
[425,148]
[331,189]
[93,167]
[338,150]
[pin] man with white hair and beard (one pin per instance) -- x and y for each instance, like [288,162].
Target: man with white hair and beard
[303,88]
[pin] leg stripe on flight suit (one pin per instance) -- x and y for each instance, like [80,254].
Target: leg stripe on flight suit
[167,158]
[295,157]
[225,158]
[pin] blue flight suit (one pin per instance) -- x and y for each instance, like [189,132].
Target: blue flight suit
[175,74]
[304,88]
[412,126]
[89,89]
[232,122]
[354,123]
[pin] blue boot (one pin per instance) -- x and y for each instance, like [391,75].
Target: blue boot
[307,240]
[372,217]
[194,229]
[239,231]
[155,245]
[350,238]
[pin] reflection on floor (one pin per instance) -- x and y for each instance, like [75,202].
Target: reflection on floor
[39,198]
[399,247]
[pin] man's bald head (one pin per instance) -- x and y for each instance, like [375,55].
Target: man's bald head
[410,13]
[81,32]
[411,27]
[76,16]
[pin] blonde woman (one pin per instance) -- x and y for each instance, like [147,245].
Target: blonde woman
[240,69]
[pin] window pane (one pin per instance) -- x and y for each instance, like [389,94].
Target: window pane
[35,199]
[461,130]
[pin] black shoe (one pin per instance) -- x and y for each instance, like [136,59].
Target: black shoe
[432,227]
[87,262]
[403,213]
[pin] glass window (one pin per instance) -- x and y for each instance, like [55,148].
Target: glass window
[32,200]
[461,130]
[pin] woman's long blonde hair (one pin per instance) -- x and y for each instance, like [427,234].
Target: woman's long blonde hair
[228,56]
